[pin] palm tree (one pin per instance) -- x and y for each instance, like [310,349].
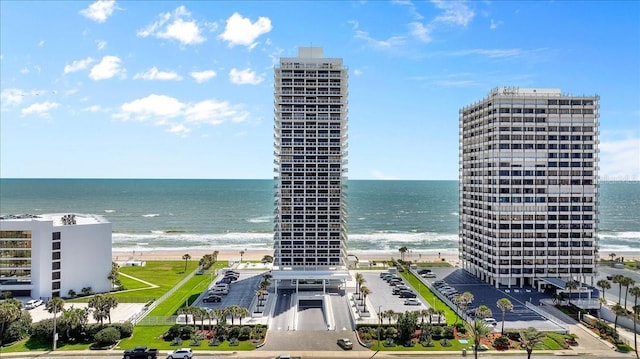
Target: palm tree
[504,304]
[220,315]
[241,255]
[186,258]
[484,312]
[613,256]
[529,338]
[616,279]
[571,285]
[441,314]
[10,311]
[261,293]
[55,305]
[233,311]
[626,282]
[389,314]
[477,331]
[241,312]
[114,275]
[604,284]
[618,310]
[602,301]
[267,259]
[359,281]
[402,251]
[635,292]
[365,292]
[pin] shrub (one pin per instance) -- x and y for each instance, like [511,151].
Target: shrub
[436,332]
[234,332]
[501,342]
[107,336]
[445,342]
[17,330]
[125,329]
[42,330]
[179,331]
[245,333]
[448,333]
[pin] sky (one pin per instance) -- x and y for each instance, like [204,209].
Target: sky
[163,89]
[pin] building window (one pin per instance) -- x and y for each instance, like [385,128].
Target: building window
[55,285]
[55,246]
[55,236]
[55,275]
[55,255]
[55,266]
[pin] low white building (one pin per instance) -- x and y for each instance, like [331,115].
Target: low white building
[47,255]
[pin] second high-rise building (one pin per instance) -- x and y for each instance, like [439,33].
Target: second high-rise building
[529,187]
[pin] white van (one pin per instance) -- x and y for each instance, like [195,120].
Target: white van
[489,321]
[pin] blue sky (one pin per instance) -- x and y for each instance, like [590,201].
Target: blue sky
[136,89]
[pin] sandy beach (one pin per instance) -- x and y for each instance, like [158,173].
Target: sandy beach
[253,254]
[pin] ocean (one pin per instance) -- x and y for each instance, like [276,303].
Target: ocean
[156,214]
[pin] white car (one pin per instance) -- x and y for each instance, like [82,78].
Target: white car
[490,321]
[33,303]
[182,353]
[412,301]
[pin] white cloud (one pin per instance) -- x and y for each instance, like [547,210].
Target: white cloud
[14,97]
[491,53]
[101,44]
[357,72]
[40,109]
[155,74]
[99,11]
[41,43]
[24,70]
[244,77]
[214,112]
[419,31]
[494,24]
[93,108]
[620,159]
[393,41]
[168,111]
[108,67]
[382,176]
[240,30]
[203,76]
[412,8]
[456,13]
[78,65]
[177,25]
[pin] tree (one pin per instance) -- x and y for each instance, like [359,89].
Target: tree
[74,318]
[618,310]
[635,292]
[114,275]
[10,311]
[617,280]
[613,257]
[365,292]
[359,282]
[626,282]
[260,293]
[571,285]
[242,312]
[504,304]
[186,258]
[529,338]
[389,314]
[402,251]
[267,259]
[477,331]
[484,312]
[55,305]
[407,324]
[241,255]
[232,310]
[97,304]
[604,284]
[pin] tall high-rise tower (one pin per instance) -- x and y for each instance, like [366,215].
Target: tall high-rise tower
[311,165]
[529,187]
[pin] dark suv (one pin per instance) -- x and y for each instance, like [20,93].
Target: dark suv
[407,294]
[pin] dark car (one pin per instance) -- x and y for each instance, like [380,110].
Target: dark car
[396,290]
[231,276]
[229,271]
[345,343]
[212,299]
[424,271]
[224,281]
[407,294]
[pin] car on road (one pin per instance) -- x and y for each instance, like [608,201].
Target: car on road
[212,299]
[345,343]
[140,352]
[412,301]
[33,303]
[182,353]
[407,294]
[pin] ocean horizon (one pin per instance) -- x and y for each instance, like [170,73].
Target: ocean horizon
[204,214]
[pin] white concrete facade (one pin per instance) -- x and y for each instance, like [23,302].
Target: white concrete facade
[42,257]
[529,186]
[311,163]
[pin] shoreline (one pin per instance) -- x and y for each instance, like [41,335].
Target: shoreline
[255,254]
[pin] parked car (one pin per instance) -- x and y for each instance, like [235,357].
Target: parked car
[490,321]
[396,290]
[232,277]
[345,343]
[395,283]
[439,282]
[428,275]
[212,299]
[182,353]
[33,303]
[224,281]
[218,291]
[412,301]
[407,294]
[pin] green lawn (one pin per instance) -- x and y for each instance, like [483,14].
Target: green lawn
[429,297]
[437,346]
[151,336]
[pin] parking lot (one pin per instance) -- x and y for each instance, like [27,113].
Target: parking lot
[381,297]
[241,292]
